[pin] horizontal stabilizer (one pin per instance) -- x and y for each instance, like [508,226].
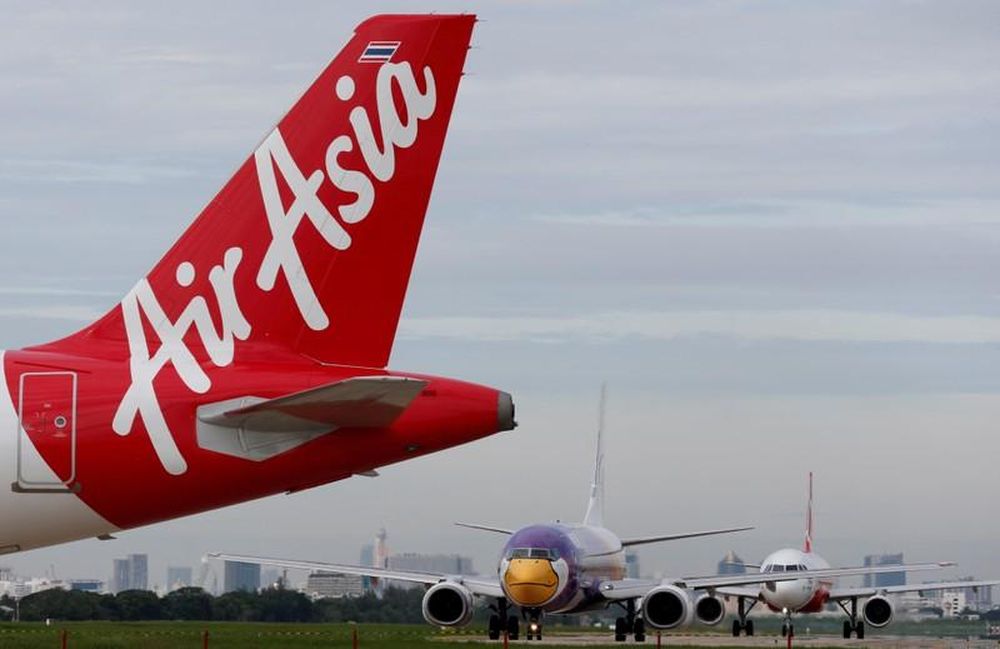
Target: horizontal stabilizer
[486,528]
[640,540]
[256,429]
[363,402]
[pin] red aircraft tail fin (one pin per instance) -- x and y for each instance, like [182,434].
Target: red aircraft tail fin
[309,246]
[809,517]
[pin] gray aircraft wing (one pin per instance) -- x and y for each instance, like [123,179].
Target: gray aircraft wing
[485,586]
[622,589]
[848,593]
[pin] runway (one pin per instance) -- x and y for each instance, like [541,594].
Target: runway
[720,640]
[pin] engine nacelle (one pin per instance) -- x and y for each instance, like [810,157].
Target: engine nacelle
[448,604]
[709,609]
[667,607]
[878,611]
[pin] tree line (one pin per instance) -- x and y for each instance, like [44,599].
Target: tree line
[270,605]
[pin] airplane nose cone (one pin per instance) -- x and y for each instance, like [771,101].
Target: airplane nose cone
[505,412]
[530,582]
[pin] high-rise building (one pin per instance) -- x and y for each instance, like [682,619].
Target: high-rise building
[367,559]
[978,599]
[731,564]
[120,576]
[632,565]
[885,578]
[380,558]
[178,577]
[138,571]
[130,573]
[241,576]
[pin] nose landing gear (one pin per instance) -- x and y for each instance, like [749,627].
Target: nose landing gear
[534,618]
[787,629]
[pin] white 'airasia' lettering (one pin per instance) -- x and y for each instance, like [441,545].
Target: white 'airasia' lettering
[282,255]
[140,399]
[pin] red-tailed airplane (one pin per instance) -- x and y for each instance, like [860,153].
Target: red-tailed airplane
[811,595]
[251,360]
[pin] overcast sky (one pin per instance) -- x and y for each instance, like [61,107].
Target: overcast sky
[773,228]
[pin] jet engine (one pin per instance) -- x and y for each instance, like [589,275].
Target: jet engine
[448,603]
[709,610]
[667,607]
[878,611]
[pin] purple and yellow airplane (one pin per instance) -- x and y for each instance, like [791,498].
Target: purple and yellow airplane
[570,568]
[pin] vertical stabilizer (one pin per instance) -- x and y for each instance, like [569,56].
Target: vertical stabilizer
[595,508]
[809,517]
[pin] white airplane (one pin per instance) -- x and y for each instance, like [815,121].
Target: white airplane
[569,568]
[809,594]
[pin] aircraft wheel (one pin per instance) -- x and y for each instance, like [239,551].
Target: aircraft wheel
[847,629]
[737,628]
[748,627]
[639,630]
[494,628]
[860,630]
[791,630]
[784,630]
[620,629]
[513,628]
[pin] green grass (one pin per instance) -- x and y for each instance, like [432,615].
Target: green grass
[233,635]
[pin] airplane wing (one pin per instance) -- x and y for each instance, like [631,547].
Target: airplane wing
[485,586]
[848,593]
[486,528]
[739,591]
[623,589]
[360,402]
[640,540]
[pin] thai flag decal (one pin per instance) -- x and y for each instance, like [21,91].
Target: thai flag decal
[379,51]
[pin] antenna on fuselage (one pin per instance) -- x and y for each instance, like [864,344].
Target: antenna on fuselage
[809,517]
[595,508]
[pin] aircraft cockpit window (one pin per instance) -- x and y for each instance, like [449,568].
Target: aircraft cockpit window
[802,567]
[791,568]
[534,553]
[777,568]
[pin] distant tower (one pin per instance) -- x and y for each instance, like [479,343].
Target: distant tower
[120,576]
[381,558]
[731,564]
[886,578]
[138,569]
[631,565]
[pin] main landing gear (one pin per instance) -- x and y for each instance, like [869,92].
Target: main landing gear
[742,624]
[501,621]
[630,624]
[853,625]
